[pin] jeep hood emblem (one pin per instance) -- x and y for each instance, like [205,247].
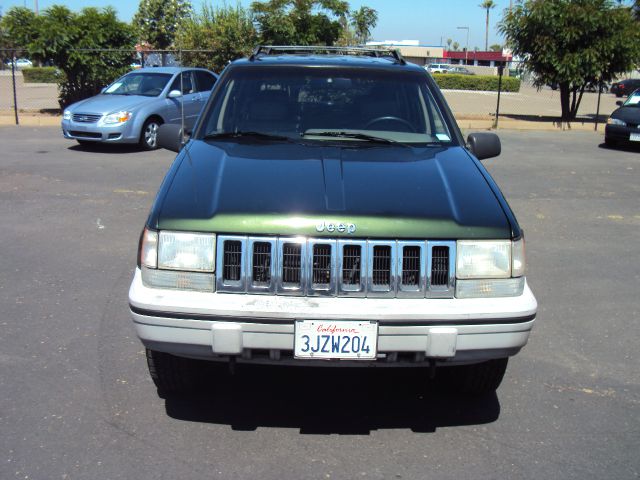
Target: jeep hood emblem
[336,227]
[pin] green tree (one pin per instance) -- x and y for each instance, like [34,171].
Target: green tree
[72,41]
[496,47]
[572,43]
[456,46]
[487,5]
[449,40]
[363,20]
[227,32]
[158,21]
[300,22]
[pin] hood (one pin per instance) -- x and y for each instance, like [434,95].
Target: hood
[289,189]
[110,103]
[628,114]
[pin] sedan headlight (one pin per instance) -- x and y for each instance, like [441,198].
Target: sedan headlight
[114,118]
[490,268]
[616,121]
[179,260]
[66,115]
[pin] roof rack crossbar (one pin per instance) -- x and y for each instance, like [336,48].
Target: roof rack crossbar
[265,50]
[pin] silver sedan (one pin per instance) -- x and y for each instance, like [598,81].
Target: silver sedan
[131,109]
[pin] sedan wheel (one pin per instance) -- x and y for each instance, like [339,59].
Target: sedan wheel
[149,137]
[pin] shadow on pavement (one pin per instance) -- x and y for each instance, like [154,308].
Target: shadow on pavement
[622,147]
[326,401]
[115,149]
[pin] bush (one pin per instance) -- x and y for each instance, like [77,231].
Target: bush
[449,81]
[41,75]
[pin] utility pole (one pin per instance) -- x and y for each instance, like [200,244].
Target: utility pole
[466,50]
[35,5]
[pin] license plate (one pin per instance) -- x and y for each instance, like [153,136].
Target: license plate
[335,340]
[634,137]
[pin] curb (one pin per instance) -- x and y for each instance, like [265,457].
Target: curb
[30,120]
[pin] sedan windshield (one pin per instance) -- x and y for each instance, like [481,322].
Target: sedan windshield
[139,83]
[633,100]
[327,105]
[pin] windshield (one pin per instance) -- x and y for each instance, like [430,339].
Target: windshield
[146,84]
[633,100]
[327,104]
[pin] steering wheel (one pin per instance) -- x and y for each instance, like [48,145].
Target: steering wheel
[391,119]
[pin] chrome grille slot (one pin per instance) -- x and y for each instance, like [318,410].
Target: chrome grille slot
[382,269]
[321,270]
[351,264]
[261,264]
[441,269]
[291,264]
[381,272]
[411,265]
[440,266]
[232,265]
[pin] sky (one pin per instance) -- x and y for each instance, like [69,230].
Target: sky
[431,22]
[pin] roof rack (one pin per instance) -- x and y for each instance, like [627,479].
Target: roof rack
[265,50]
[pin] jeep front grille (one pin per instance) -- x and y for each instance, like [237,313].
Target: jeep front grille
[330,267]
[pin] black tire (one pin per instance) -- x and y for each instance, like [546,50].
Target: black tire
[476,379]
[610,142]
[172,374]
[149,134]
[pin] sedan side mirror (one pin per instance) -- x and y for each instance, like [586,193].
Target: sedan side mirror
[170,136]
[619,103]
[174,94]
[484,145]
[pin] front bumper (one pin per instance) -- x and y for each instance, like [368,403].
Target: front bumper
[260,329]
[621,133]
[93,132]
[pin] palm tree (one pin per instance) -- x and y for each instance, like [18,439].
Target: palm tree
[363,20]
[487,5]
[449,43]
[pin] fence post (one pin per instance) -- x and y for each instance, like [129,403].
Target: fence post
[598,107]
[13,79]
[500,72]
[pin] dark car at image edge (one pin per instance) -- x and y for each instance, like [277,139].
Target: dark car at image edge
[326,211]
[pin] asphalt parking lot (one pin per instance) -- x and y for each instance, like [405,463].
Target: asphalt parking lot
[76,400]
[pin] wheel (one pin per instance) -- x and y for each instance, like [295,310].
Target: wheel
[149,134]
[391,119]
[172,374]
[478,378]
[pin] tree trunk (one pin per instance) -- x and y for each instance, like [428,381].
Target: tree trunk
[565,101]
[486,34]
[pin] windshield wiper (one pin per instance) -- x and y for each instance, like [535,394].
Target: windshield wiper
[242,134]
[354,135]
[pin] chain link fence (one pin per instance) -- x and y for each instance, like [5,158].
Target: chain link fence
[20,95]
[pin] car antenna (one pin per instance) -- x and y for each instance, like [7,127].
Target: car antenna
[181,98]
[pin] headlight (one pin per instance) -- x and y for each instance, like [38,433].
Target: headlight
[193,252]
[180,260]
[490,268]
[66,115]
[113,118]
[483,259]
[616,121]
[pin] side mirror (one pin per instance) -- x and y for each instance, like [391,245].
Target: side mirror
[174,94]
[170,136]
[484,145]
[619,103]
[103,89]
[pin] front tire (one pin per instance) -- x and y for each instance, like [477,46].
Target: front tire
[478,378]
[149,134]
[172,374]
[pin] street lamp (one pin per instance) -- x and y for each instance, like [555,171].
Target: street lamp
[466,50]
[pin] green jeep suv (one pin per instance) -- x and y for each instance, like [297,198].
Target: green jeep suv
[326,210]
